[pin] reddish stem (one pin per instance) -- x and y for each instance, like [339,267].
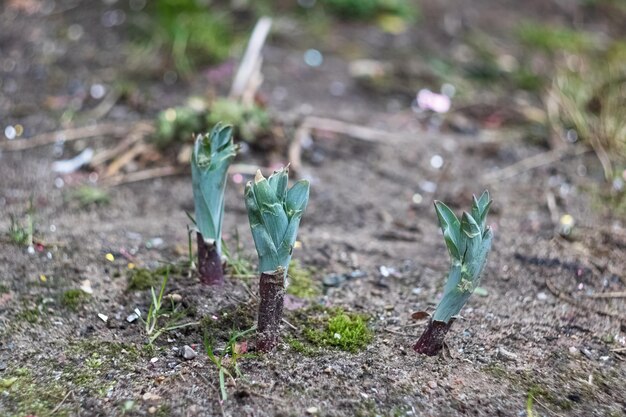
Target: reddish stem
[431,341]
[272,292]
[209,263]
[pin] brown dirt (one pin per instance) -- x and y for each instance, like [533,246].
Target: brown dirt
[536,333]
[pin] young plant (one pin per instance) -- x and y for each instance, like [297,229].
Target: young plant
[274,213]
[468,242]
[210,160]
[157,312]
[228,361]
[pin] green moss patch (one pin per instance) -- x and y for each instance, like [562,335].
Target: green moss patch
[301,282]
[73,299]
[334,328]
[24,395]
[141,279]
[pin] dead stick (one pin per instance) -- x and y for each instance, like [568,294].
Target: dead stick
[616,294]
[339,127]
[355,131]
[61,403]
[67,135]
[559,294]
[533,162]
[116,165]
[138,132]
[249,63]
[146,174]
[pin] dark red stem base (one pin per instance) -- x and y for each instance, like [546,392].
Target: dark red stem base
[272,292]
[431,341]
[209,263]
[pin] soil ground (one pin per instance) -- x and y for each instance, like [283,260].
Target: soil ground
[537,342]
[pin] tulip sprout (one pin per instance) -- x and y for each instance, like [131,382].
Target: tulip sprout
[274,213]
[469,243]
[211,157]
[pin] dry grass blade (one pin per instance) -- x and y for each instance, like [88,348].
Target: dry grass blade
[146,174]
[66,135]
[533,162]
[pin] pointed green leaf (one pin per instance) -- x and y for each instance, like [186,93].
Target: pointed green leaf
[297,198]
[469,226]
[483,201]
[451,228]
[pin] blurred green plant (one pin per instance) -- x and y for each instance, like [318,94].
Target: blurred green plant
[192,32]
[87,195]
[21,233]
[368,9]
[553,39]
[250,123]
[589,101]
[177,124]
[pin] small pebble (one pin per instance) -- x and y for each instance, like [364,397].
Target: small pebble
[176,298]
[542,296]
[154,360]
[573,350]
[333,280]
[506,355]
[152,410]
[312,410]
[188,353]
[587,353]
[103,317]
[150,397]
[432,384]
[85,286]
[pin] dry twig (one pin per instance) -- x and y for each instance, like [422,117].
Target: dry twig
[534,162]
[66,135]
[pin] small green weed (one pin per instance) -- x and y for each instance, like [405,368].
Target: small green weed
[235,318]
[190,32]
[238,265]
[552,39]
[87,195]
[73,299]
[157,313]
[368,9]
[249,121]
[227,362]
[22,233]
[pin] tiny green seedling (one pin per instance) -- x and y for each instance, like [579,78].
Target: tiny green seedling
[22,234]
[238,265]
[228,361]
[469,243]
[212,155]
[156,312]
[274,212]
